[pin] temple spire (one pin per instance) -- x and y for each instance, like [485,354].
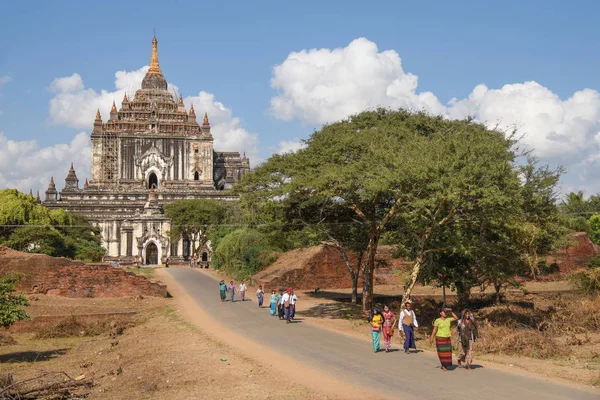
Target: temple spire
[205,122]
[154,67]
[125,100]
[98,117]
[114,107]
[192,112]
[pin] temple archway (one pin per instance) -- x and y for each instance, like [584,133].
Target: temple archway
[196,176]
[151,254]
[205,256]
[152,181]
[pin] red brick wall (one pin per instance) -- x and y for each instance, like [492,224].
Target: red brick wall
[62,277]
[577,256]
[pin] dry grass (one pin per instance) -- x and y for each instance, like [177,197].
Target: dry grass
[6,339]
[74,326]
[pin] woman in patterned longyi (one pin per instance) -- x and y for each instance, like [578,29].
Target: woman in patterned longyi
[443,337]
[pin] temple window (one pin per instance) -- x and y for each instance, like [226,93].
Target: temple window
[196,176]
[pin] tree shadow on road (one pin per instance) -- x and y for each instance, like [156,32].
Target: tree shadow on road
[32,356]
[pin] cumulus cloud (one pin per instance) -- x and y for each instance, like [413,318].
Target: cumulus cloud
[290,146]
[75,106]
[4,79]
[24,165]
[322,85]
[226,129]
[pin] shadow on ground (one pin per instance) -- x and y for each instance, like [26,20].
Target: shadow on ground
[32,356]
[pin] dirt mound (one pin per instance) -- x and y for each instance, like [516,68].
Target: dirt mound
[571,258]
[62,277]
[323,267]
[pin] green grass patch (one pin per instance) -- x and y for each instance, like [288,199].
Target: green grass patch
[145,272]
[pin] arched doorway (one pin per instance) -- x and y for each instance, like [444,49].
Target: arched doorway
[196,176]
[205,256]
[152,181]
[151,254]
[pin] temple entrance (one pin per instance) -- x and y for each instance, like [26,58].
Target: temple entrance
[205,256]
[152,181]
[151,254]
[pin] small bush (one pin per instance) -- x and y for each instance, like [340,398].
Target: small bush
[594,262]
[588,282]
[548,269]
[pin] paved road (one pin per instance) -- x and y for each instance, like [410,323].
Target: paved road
[398,375]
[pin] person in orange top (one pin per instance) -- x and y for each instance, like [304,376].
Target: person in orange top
[376,322]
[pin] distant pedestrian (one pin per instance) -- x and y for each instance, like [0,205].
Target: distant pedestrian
[408,323]
[376,322]
[273,302]
[285,300]
[467,335]
[260,294]
[443,337]
[223,289]
[389,323]
[242,290]
[280,304]
[293,301]
[232,291]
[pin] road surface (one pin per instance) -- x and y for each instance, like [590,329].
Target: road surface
[395,374]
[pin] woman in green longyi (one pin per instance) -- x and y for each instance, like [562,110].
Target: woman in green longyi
[443,337]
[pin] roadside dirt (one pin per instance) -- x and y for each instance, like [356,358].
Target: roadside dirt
[162,357]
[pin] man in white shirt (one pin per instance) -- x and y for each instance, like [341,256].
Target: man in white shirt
[242,290]
[407,325]
[285,303]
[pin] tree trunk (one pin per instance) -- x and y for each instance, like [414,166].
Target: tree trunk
[355,276]
[369,271]
[497,288]
[413,279]
[444,296]
[463,293]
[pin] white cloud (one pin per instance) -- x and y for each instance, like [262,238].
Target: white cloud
[24,166]
[290,146]
[322,85]
[225,128]
[75,106]
[4,79]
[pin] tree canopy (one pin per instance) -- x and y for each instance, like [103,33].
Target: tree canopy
[26,225]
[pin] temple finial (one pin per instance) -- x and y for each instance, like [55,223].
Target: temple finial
[31,192]
[71,169]
[125,100]
[205,122]
[154,67]
[114,107]
[98,117]
[192,112]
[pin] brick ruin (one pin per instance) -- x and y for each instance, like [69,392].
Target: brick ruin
[43,274]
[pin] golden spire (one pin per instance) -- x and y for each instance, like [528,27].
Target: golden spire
[192,112]
[98,117]
[180,99]
[154,67]
[114,107]
[125,100]
[205,119]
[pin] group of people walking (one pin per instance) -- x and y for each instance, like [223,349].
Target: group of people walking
[384,323]
[231,289]
[282,305]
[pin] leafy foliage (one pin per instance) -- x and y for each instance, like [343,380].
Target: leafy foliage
[243,252]
[11,303]
[587,281]
[29,226]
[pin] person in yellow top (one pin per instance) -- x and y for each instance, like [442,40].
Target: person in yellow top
[443,337]
[376,321]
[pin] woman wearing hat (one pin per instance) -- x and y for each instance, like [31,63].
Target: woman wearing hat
[407,325]
[443,337]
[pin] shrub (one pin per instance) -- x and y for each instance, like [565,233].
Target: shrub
[587,282]
[594,262]
[243,252]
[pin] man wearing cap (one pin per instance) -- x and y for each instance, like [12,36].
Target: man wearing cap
[407,325]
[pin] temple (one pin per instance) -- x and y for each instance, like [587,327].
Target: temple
[150,151]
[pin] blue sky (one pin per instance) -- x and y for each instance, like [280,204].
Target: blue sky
[229,49]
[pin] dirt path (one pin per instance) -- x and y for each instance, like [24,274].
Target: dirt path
[352,360]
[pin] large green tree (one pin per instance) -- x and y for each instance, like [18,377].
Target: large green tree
[11,302]
[396,168]
[197,219]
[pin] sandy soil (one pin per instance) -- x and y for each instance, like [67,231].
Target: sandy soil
[162,357]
